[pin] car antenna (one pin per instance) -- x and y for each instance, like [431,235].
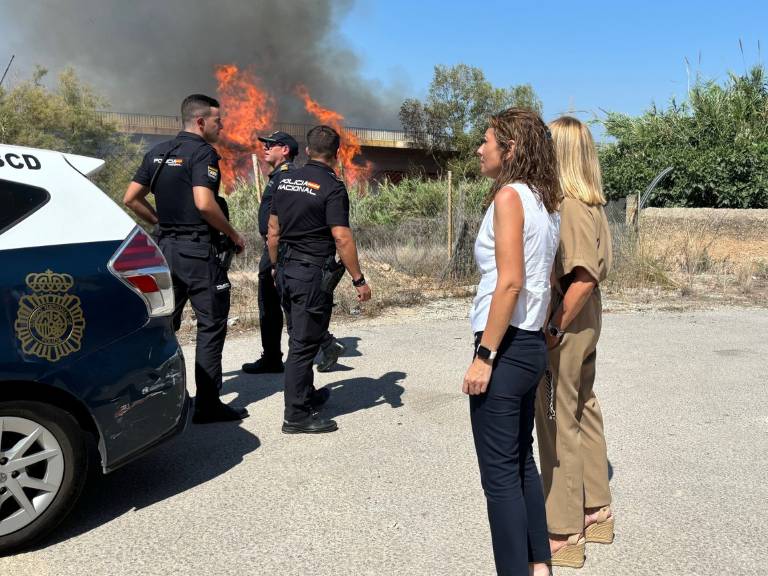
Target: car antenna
[7,68]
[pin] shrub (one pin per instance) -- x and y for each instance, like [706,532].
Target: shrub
[716,141]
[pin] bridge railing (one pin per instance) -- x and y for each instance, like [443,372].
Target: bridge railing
[161,124]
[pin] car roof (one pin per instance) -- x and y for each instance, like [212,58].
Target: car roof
[77,212]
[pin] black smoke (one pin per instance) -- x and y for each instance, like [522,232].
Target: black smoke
[146,55]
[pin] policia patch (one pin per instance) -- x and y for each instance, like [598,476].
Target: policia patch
[50,323]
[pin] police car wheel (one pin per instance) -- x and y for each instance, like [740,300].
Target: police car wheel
[43,467]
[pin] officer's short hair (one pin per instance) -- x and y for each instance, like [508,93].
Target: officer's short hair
[197,105]
[323,141]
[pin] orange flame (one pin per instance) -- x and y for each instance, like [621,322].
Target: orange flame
[350,144]
[247,111]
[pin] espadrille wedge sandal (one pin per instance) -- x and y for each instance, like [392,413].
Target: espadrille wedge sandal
[572,554]
[601,532]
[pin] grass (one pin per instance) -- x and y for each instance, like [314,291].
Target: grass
[696,259]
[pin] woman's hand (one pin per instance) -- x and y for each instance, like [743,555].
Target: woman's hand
[477,377]
[552,341]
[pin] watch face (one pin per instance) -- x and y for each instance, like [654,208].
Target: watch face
[553,331]
[483,353]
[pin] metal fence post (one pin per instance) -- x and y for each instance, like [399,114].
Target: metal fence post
[450,214]
[257,175]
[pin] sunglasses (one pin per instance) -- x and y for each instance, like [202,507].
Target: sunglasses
[270,145]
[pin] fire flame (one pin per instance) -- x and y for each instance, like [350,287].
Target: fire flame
[247,112]
[350,144]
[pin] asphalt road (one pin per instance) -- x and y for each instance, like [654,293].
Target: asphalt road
[396,490]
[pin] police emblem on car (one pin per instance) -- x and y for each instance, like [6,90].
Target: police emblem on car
[50,323]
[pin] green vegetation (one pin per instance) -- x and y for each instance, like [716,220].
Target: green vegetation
[416,198]
[716,140]
[452,119]
[65,118]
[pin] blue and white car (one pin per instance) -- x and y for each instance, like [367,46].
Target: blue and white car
[87,350]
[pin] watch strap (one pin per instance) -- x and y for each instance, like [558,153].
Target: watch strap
[359,282]
[485,353]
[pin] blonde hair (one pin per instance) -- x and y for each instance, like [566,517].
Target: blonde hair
[578,166]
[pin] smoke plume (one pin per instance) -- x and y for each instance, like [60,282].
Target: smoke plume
[146,55]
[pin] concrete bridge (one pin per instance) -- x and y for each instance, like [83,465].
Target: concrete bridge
[393,153]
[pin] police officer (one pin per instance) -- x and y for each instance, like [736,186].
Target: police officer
[280,150]
[308,224]
[184,176]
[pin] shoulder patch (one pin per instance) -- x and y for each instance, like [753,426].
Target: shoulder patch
[213,173]
[284,168]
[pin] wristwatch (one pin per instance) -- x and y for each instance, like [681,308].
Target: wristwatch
[484,353]
[359,282]
[555,331]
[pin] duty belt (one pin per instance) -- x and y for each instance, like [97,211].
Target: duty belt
[193,235]
[285,252]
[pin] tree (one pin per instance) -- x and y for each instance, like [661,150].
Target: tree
[455,113]
[66,118]
[716,141]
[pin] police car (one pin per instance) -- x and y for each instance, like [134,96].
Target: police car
[87,349]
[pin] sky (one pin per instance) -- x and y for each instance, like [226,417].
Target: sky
[580,57]
[583,56]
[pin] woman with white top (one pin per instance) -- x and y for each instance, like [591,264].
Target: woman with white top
[515,249]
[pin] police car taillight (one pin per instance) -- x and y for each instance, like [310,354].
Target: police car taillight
[140,265]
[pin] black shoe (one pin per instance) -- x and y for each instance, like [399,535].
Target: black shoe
[319,397]
[218,413]
[330,355]
[265,365]
[312,424]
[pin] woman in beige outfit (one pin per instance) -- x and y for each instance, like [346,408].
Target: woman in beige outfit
[569,424]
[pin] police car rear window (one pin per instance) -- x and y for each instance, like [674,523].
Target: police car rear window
[18,201]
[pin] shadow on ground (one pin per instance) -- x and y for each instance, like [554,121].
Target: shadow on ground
[178,465]
[354,394]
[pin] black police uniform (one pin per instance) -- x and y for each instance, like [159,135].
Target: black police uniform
[270,311]
[187,241]
[308,202]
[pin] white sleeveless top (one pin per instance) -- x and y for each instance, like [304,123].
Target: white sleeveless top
[541,235]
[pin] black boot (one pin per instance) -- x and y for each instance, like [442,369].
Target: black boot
[265,365]
[217,412]
[311,424]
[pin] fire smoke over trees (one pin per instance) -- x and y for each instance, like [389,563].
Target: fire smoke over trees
[146,55]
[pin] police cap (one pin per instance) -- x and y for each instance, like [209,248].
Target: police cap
[284,139]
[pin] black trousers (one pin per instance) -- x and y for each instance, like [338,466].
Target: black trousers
[502,426]
[270,310]
[308,313]
[199,278]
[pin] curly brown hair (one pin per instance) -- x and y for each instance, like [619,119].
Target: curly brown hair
[533,161]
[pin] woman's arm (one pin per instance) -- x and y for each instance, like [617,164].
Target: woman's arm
[575,297]
[508,222]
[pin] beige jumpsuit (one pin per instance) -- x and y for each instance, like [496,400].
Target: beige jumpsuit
[572,450]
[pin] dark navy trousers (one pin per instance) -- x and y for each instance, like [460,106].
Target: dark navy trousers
[199,277]
[308,313]
[502,426]
[270,311]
